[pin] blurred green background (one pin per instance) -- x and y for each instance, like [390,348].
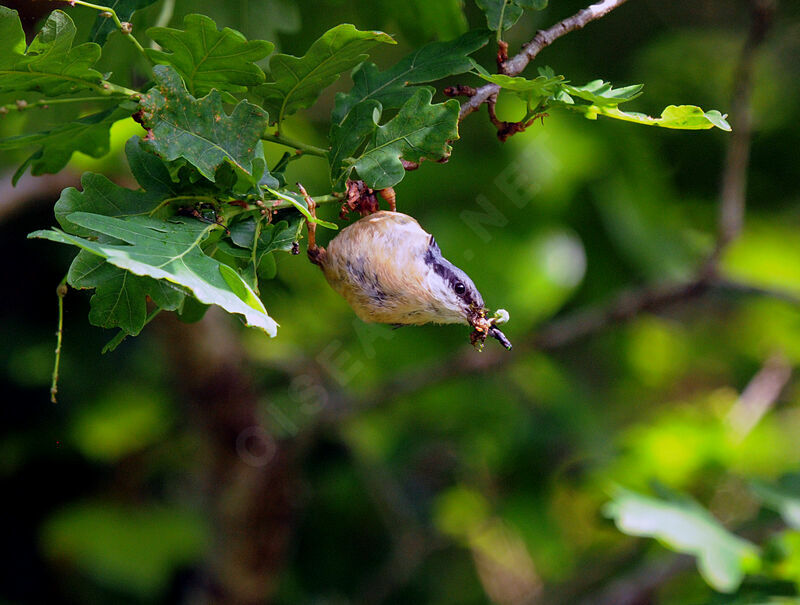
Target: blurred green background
[349,463]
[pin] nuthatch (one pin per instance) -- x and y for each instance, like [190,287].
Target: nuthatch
[391,271]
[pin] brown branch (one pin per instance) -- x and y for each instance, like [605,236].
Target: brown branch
[541,40]
[734,178]
[760,395]
[554,335]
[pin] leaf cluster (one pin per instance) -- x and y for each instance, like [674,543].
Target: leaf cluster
[597,98]
[208,215]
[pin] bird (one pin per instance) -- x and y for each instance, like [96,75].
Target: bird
[390,270]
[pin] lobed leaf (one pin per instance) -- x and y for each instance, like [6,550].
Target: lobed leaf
[298,81]
[391,89]
[420,130]
[120,299]
[347,138]
[199,130]
[103,27]
[207,58]
[723,559]
[603,94]
[50,65]
[681,117]
[169,250]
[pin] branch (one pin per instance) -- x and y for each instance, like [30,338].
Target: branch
[551,336]
[541,40]
[760,395]
[734,178]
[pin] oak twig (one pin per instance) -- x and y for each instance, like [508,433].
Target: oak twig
[541,40]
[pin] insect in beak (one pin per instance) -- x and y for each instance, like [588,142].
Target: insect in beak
[484,327]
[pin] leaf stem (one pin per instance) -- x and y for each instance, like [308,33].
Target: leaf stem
[300,146]
[61,292]
[122,334]
[125,30]
[280,204]
[169,200]
[23,105]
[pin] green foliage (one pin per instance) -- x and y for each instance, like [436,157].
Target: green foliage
[208,164]
[681,524]
[502,14]
[207,58]
[50,65]
[298,81]
[549,91]
[199,130]
[491,474]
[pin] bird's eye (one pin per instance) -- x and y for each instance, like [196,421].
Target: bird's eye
[459,288]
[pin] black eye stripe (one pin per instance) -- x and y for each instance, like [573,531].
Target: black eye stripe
[448,272]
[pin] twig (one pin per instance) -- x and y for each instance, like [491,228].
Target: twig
[300,146]
[22,105]
[122,334]
[553,335]
[759,395]
[61,292]
[734,178]
[542,39]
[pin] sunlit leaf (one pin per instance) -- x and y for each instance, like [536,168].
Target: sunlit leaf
[207,58]
[723,559]
[199,130]
[681,117]
[419,131]
[603,93]
[50,65]
[169,250]
[297,81]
